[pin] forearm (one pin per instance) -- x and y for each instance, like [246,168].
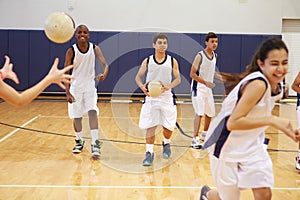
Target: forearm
[20,99]
[174,83]
[246,123]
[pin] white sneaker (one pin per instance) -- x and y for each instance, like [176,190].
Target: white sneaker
[196,143]
[298,162]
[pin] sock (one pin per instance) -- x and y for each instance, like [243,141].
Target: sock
[203,134]
[166,141]
[149,147]
[94,134]
[78,135]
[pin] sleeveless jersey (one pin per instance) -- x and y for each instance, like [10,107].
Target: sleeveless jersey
[206,70]
[84,70]
[160,71]
[240,145]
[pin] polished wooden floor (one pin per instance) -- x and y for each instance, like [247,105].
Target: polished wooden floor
[36,161]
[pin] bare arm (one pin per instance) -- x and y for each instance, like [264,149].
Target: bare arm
[17,99]
[296,83]
[139,76]
[251,94]
[99,55]
[194,69]
[177,79]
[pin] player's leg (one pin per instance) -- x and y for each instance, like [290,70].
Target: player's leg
[150,138]
[198,105]
[79,141]
[262,193]
[168,119]
[298,156]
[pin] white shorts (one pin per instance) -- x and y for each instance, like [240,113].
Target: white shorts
[203,102]
[155,113]
[84,102]
[231,177]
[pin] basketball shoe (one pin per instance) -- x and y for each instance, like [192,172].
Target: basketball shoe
[78,146]
[196,144]
[204,190]
[298,162]
[96,149]
[149,157]
[166,150]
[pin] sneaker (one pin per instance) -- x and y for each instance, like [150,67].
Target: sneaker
[298,162]
[78,146]
[148,159]
[204,190]
[166,150]
[96,149]
[196,143]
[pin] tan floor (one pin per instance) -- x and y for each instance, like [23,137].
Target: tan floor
[40,165]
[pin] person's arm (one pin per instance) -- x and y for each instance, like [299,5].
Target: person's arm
[139,76]
[251,94]
[99,55]
[7,71]
[194,69]
[68,61]
[176,74]
[17,99]
[296,83]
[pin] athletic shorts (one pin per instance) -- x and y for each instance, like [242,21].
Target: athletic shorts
[154,113]
[84,102]
[203,102]
[231,177]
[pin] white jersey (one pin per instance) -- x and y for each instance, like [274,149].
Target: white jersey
[242,145]
[160,72]
[84,70]
[206,70]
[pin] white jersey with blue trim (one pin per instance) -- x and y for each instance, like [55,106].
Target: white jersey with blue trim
[206,71]
[240,145]
[84,70]
[160,71]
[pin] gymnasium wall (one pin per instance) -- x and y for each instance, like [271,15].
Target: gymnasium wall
[124,31]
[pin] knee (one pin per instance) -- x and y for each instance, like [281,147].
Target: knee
[263,194]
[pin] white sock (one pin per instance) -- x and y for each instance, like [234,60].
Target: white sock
[94,134]
[78,135]
[203,134]
[149,147]
[166,141]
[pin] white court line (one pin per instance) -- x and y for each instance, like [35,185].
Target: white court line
[13,132]
[120,187]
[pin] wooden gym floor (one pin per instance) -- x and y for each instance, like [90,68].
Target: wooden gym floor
[36,160]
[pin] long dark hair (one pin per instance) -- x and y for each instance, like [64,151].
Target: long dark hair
[231,80]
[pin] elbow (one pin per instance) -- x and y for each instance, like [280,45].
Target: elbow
[230,125]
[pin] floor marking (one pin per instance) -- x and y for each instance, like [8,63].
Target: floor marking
[13,132]
[120,187]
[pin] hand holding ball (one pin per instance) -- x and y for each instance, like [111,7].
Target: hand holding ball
[154,88]
[59,27]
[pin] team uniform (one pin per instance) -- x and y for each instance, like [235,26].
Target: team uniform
[159,110]
[202,96]
[83,87]
[238,159]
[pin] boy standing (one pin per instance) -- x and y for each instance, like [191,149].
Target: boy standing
[202,73]
[159,110]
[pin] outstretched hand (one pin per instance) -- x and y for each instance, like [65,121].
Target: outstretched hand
[8,72]
[60,76]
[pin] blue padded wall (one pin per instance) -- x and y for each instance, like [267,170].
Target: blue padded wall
[33,54]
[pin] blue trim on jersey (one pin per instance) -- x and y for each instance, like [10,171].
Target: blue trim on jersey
[298,99]
[257,78]
[194,86]
[222,139]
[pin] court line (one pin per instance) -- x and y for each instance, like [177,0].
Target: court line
[14,131]
[120,187]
